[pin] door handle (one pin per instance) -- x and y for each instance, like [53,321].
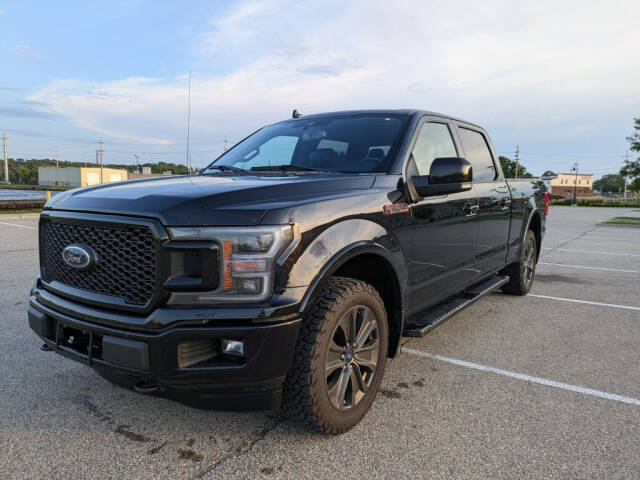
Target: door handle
[470,210]
[506,203]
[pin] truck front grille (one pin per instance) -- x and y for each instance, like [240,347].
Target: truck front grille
[126,259]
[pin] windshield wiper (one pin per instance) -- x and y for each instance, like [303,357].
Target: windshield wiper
[284,168]
[226,168]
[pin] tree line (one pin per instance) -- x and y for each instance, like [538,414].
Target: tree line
[25,172]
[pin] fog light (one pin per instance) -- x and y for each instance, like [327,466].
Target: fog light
[233,347]
[250,285]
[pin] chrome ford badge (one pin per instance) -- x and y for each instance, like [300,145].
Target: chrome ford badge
[79,256]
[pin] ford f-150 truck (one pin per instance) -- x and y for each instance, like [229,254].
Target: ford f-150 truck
[286,272]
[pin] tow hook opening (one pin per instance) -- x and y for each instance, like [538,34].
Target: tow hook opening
[147,386]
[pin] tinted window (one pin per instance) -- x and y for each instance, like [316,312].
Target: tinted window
[477,152]
[434,141]
[339,143]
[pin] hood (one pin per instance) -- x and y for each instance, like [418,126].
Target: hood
[208,200]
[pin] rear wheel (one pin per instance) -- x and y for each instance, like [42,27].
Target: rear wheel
[340,357]
[522,272]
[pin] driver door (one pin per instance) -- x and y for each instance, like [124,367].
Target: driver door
[445,231]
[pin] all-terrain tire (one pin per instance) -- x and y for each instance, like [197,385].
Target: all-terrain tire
[522,272]
[307,396]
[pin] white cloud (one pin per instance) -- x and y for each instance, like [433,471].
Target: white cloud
[537,68]
[23,51]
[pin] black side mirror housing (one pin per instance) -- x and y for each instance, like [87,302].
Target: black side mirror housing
[446,175]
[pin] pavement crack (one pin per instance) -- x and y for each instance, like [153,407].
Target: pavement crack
[553,249]
[243,449]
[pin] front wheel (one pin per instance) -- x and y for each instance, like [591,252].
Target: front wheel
[522,272]
[340,357]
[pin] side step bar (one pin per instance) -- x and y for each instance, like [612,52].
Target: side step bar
[422,323]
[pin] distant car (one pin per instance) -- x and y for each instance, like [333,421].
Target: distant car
[289,269]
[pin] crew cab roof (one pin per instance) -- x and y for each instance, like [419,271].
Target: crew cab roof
[402,111]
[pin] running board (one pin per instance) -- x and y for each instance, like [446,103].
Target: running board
[422,323]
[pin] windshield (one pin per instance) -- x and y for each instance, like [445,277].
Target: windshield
[349,143]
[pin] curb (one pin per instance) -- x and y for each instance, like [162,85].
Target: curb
[19,216]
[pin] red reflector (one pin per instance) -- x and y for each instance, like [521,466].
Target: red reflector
[546,203]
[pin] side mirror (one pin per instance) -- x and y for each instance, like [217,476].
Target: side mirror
[446,175]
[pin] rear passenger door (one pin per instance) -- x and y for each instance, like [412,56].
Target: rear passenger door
[444,231]
[494,198]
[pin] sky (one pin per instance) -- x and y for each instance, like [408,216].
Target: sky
[558,79]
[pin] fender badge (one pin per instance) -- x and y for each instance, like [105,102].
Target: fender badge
[395,208]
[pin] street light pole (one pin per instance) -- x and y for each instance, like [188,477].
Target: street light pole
[575,185]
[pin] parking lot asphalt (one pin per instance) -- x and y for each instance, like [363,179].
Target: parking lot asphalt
[542,386]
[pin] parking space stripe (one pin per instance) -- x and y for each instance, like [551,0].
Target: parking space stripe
[573,300]
[527,378]
[587,251]
[589,268]
[19,226]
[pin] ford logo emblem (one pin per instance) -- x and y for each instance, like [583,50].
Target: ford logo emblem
[79,256]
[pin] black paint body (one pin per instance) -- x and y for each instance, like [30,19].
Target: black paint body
[430,250]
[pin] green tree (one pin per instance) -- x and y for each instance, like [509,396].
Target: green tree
[612,182]
[632,169]
[549,173]
[509,168]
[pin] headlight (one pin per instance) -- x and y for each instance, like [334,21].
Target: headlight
[247,257]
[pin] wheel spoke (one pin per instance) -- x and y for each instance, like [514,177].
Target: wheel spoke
[369,363]
[359,379]
[332,366]
[367,348]
[337,393]
[334,347]
[363,334]
[356,317]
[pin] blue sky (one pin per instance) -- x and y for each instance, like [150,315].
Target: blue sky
[559,79]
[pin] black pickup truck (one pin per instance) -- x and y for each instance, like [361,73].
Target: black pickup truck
[286,272]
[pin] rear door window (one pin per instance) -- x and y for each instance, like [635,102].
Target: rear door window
[476,151]
[434,141]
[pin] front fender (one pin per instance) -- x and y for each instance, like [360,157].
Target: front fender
[337,244]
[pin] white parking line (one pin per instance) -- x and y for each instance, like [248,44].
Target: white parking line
[589,268]
[588,251]
[19,226]
[573,300]
[527,378]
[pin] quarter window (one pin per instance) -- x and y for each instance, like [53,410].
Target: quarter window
[477,152]
[434,141]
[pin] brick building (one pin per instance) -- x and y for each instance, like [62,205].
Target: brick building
[565,184]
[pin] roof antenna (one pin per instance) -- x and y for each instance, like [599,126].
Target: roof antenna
[296,114]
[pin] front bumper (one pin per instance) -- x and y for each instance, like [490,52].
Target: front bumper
[147,360]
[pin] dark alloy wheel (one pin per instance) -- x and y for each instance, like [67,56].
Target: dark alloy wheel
[352,357]
[522,272]
[340,356]
[529,260]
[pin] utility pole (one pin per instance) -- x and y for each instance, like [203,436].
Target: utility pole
[101,152]
[517,159]
[137,163]
[56,156]
[626,162]
[225,143]
[188,121]
[6,161]
[575,184]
